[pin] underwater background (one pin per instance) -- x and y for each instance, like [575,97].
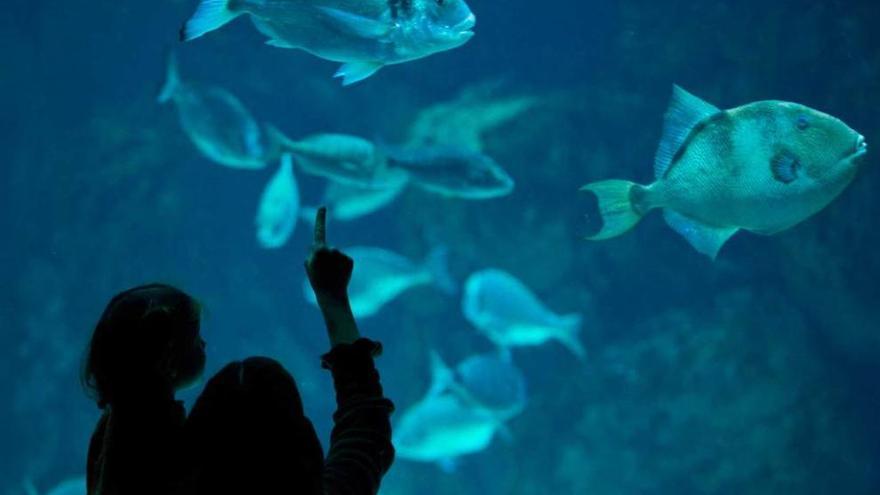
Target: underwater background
[756,373]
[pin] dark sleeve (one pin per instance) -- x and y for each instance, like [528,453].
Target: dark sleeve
[360,444]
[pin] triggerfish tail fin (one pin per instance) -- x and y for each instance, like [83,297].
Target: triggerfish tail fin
[209,15]
[569,335]
[172,80]
[707,239]
[619,214]
[437,264]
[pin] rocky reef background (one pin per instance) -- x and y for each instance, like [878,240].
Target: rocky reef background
[754,374]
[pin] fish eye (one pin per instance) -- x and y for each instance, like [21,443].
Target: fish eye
[803,123]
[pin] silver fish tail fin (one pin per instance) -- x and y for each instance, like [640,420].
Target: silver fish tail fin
[172,80]
[619,214]
[442,376]
[209,15]
[278,140]
[437,265]
[569,335]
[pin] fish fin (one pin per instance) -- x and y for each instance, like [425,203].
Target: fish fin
[209,15]
[357,24]
[442,375]
[785,167]
[353,72]
[616,207]
[448,465]
[707,239]
[437,265]
[571,328]
[504,433]
[29,487]
[280,44]
[684,113]
[172,80]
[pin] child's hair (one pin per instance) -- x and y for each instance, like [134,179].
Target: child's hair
[133,334]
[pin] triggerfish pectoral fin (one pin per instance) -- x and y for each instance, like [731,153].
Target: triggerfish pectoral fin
[707,239]
[353,72]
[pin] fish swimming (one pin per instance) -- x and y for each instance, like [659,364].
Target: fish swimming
[279,207]
[380,276]
[346,202]
[342,158]
[217,123]
[443,425]
[453,171]
[364,35]
[762,167]
[490,381]
[510,315]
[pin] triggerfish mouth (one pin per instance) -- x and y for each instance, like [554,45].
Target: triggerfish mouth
[364,35]
[762,167]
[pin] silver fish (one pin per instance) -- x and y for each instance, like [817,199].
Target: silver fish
[490,381]
[510,315]
[279,207]
[443,425]
[217,123]
[762,167]
[347,202]
[343,158]
[380,276]
[364,35]
[453,172]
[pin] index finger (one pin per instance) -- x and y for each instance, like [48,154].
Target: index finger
[321,227]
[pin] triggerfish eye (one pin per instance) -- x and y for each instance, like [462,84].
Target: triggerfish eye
[802,123]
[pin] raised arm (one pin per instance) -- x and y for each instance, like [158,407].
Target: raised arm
[360,444]
[329,272]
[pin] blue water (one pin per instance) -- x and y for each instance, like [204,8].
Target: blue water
[753,374]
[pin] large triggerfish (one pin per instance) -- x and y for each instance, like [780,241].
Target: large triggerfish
[762,167]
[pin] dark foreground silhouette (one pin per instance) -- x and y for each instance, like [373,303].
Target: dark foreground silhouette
[247,432]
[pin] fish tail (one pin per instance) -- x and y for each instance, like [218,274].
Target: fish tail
[619,205]
[438,266]
[209,15]
[569,336]
[172,80]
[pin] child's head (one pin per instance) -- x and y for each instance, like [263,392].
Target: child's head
[146,335]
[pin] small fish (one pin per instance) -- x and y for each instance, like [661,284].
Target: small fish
[346,202]
[762,167]
[380,276]
[443,425]
[342,158]
[453,172]
[365,35]
[217,123]
[279,207]
[490,381]
[510,315]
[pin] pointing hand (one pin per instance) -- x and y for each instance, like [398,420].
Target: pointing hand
[329,270]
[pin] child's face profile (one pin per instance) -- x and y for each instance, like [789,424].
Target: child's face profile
[191,359]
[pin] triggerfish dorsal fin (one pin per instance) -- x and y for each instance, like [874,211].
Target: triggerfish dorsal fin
[707,239]
[684,113]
